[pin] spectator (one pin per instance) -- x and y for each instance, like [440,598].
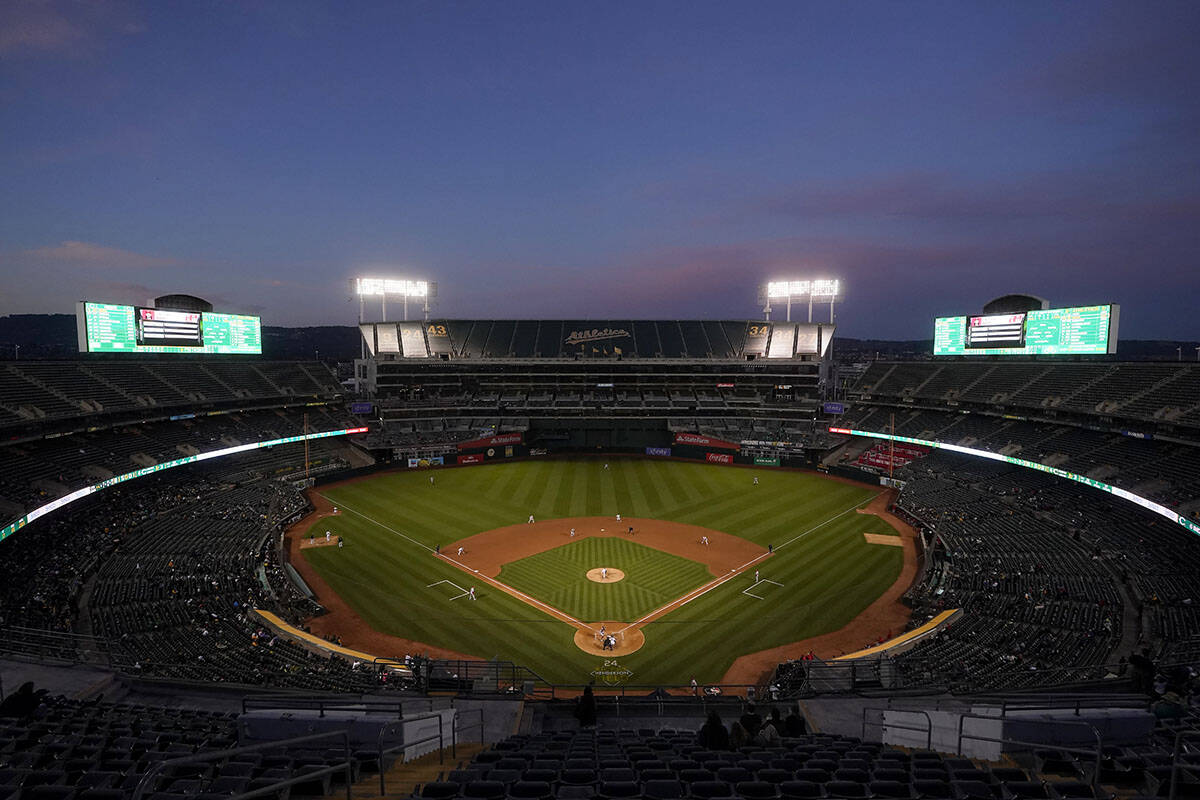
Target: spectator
[713,735]
[751,721]
[585,710]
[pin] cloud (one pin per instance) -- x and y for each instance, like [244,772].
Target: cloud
[49,27]
[87,254]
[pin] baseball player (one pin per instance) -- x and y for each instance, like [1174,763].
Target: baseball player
[431,480]
[704,541]
[471,593]
[755,480]
[531,519]
[618,517]
[572,533]
[604,573]
[461,551]
[756,576]
[327,536]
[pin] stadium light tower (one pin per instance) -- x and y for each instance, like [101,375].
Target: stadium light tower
[383,288]
[821,289]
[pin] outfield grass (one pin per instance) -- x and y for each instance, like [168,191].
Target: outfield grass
[559,577]
[392,522]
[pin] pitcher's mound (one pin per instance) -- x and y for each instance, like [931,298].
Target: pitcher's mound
[612,576]
[629,641]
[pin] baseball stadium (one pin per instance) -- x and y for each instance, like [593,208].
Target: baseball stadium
[491,544]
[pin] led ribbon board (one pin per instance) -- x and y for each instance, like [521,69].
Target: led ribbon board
[1124,494]
[79,494]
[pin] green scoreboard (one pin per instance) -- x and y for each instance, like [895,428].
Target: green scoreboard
[108,328]
[1082,330]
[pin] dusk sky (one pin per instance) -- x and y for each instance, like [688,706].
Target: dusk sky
[604,159]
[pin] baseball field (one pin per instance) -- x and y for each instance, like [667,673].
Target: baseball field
[724,569]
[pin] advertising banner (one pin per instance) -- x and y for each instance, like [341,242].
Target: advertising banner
[658,451]
[719,458]
[475,458]
[427,461]
[491,441]
[705,441]
[765,461]
[538,451]
[362,408]
[833,408]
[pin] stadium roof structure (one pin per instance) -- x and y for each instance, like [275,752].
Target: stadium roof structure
[570,339]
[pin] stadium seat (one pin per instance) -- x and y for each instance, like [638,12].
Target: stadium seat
[530,790]
[619,789]
[801,790]
[847,789]
[757,790]
[704,790]
[483,790]
[885,788]
[664,789]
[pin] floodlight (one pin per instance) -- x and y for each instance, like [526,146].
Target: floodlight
[822,289]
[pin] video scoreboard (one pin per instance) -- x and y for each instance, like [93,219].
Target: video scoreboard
[108,328]
[1082,330]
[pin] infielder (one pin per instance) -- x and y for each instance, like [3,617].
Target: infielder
[461,551]
[471,593]
[531,519]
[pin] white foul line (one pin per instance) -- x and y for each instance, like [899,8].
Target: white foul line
[531,600]
[708,587]
[380,524]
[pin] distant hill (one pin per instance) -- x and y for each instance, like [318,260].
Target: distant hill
[53,336]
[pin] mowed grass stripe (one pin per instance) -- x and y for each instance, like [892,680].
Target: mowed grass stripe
[830,574]
[558,577]
[646,478]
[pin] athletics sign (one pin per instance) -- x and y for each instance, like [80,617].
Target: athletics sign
[596,335]
[705,441]
[491,441]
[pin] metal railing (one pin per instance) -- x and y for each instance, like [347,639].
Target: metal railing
[1176,753]
[927,730]
[1097,754]
[322,704]
[393,727]
[160,767]
[67,648]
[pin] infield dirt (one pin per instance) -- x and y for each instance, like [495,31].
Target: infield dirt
[724,554]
